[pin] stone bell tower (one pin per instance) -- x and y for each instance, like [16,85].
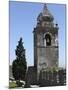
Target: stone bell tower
[45,41]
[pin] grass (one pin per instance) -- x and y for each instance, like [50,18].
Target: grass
[12,85]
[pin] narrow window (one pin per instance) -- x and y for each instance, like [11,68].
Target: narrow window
[47,40]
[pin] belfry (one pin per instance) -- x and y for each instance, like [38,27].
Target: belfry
[45,41]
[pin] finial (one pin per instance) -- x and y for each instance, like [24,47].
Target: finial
[56,24]
[45,9]
[45,6]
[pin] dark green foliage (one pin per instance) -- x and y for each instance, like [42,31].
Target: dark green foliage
[53,77]
[61,77]
[19,64]
[19,84]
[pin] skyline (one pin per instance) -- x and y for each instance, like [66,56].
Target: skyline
[23,16]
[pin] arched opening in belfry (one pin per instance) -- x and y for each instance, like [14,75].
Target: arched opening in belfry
[47,40]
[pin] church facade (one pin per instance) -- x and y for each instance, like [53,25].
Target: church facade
[45,45]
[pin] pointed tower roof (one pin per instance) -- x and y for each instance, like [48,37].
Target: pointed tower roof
[45,13]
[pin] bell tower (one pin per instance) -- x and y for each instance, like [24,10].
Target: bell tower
[45,41]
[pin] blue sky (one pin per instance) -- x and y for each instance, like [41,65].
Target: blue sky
[23,19]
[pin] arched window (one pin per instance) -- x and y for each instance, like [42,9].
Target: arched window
[47,40]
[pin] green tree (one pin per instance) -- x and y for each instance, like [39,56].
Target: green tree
[19,65]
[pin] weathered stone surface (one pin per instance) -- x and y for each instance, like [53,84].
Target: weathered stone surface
[31,75]
[45,43]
